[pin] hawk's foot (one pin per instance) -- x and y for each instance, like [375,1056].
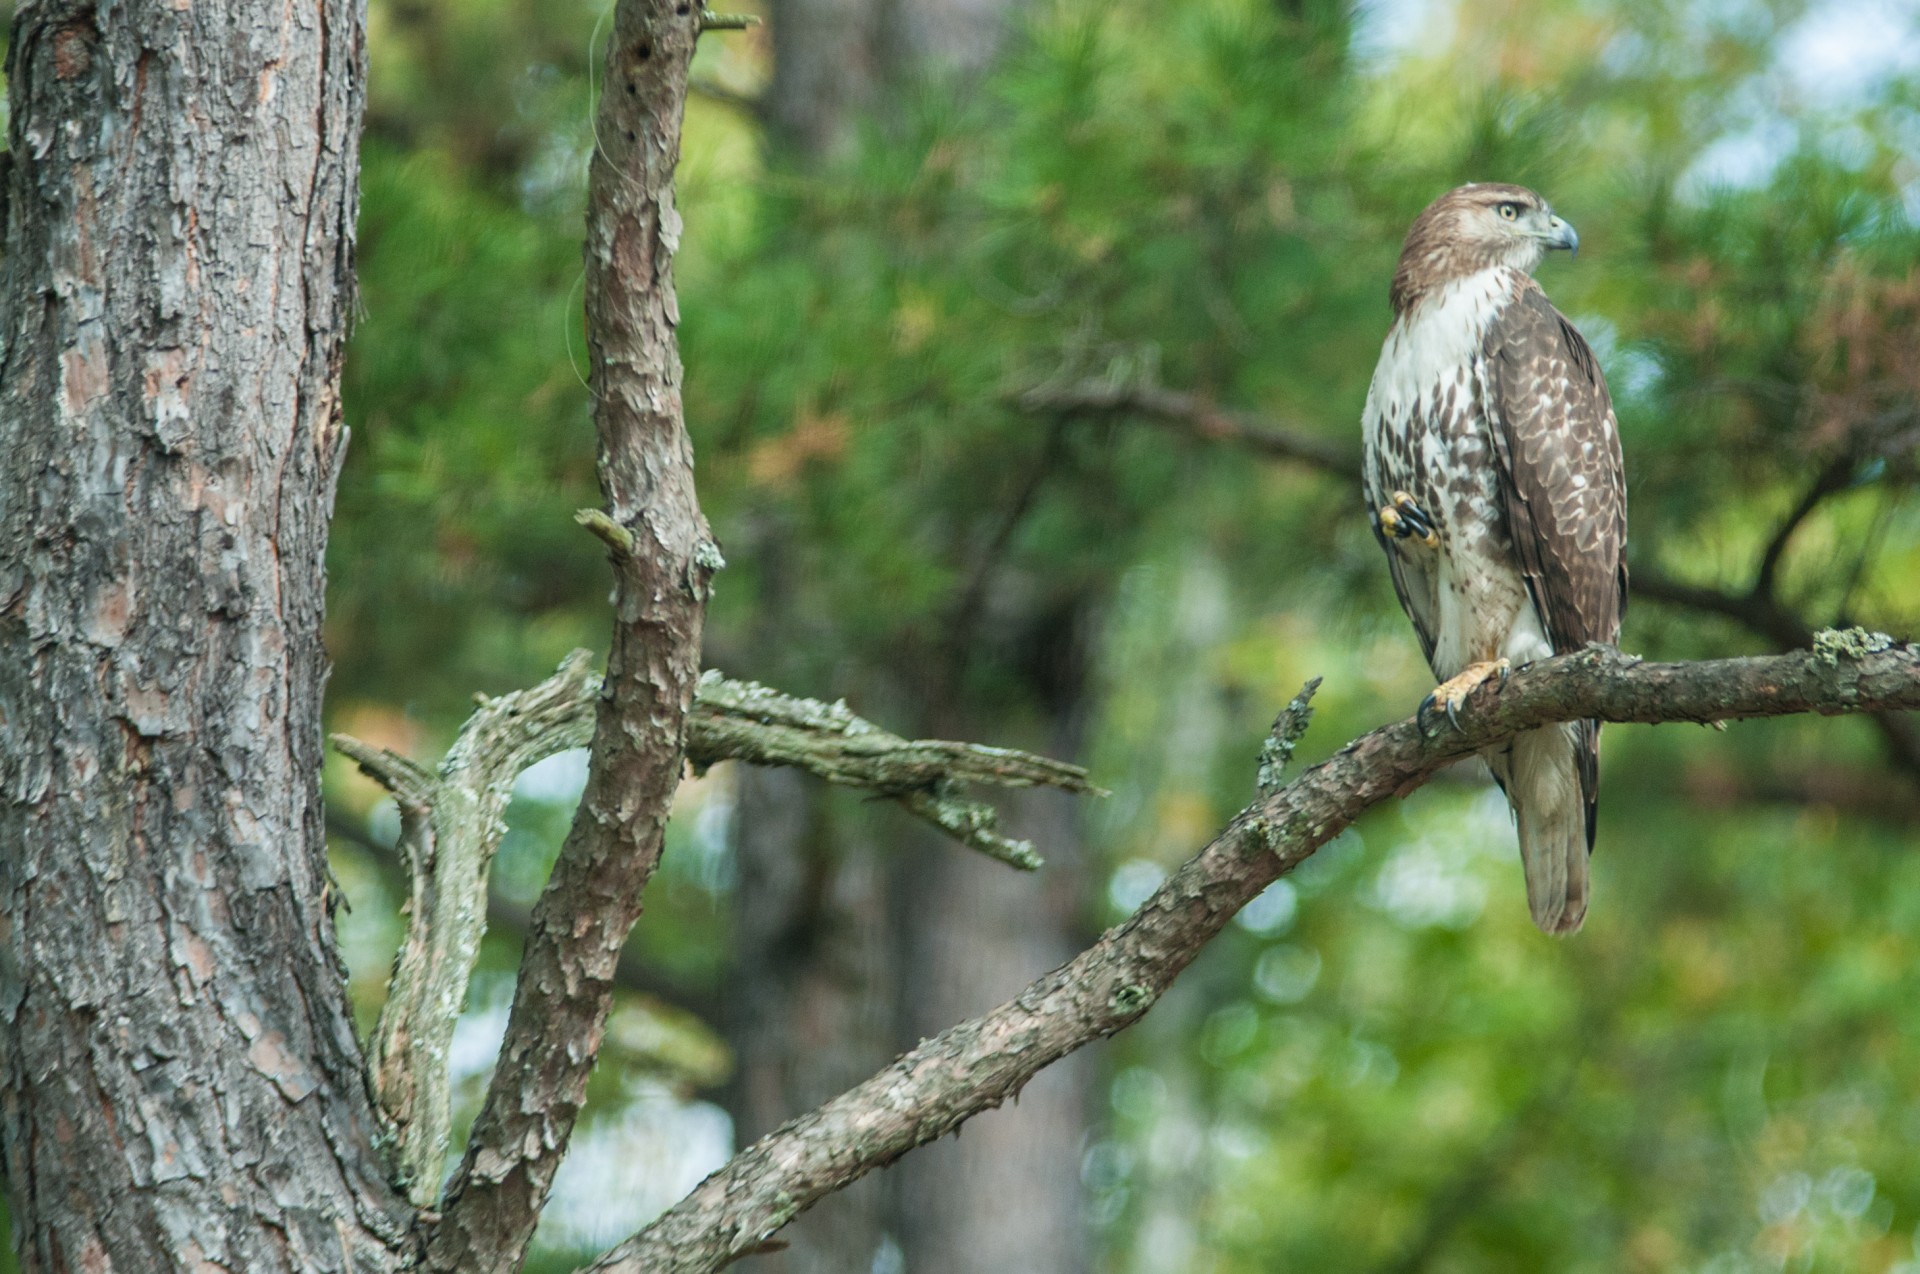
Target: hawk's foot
[1451,693]
[1404,519]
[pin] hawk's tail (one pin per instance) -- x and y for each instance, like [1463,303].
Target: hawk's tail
[1550,782]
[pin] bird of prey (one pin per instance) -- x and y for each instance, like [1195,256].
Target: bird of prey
[1495,485]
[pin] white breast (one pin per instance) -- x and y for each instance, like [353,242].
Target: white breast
[1432,347]
[1425,433]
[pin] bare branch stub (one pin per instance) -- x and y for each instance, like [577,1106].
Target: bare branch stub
[979,1064]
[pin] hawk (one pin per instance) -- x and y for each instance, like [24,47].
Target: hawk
[1495,485]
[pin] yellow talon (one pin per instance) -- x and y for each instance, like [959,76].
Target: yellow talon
[1451,693]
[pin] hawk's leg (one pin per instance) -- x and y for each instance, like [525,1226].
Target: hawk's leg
[1404,519]
[1451,693]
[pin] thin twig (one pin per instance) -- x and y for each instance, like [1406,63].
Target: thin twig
[1833,477]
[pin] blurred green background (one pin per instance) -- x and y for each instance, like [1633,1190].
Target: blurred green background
[903,213]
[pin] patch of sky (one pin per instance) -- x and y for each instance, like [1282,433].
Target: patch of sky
[1286,974]
[1743,159]
[1839,57]
[558,779]
[1384,31]
[1635,372]
[1842,53]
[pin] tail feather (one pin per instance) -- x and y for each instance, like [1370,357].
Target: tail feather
[1549,783]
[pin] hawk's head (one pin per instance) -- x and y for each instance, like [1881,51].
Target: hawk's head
[1472,228]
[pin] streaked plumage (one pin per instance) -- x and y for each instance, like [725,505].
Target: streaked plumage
[1489,410]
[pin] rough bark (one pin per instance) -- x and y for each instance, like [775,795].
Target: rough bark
[179,1080]
[979,1064]
[663,559]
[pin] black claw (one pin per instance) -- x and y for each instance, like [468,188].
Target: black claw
[1414,521]
[1453,715]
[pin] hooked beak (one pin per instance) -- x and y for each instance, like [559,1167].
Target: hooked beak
[1561,235]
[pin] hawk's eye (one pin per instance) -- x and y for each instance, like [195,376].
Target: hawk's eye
[1509,210]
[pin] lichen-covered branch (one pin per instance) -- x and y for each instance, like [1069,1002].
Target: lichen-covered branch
[743,721]
[1764,615]
[979,1064]
[452,821]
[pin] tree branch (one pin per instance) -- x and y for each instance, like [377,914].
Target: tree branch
[452,822]
[1835,476]
[660,587]
[1763,615]
[979,1064]
[1191,414]
[507,915]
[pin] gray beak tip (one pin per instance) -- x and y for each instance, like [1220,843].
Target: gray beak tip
[1564,236]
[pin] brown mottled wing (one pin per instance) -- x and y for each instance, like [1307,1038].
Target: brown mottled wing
[1562,481]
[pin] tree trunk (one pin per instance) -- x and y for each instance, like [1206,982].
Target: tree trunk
[944,37]
[809,996]
[825,71]
[180,1086]
[1005,1194]
[833,60]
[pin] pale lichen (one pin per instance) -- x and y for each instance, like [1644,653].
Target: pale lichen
[1831,645]
[1288,727]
